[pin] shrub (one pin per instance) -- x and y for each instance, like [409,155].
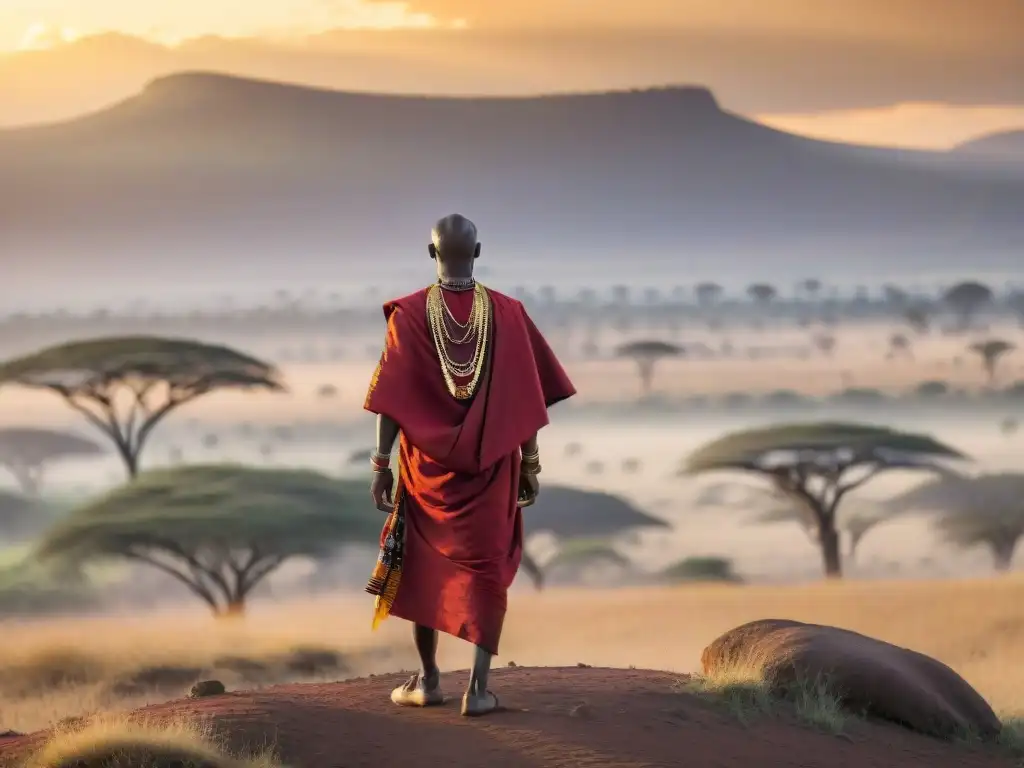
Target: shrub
[931,389]
[707,568]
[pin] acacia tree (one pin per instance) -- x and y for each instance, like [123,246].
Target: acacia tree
[899,346]
[762,294]
[966,300]
[217,529]
[126,385]
[991,352]
[854,524]
[575,556]
[27,451]
[708,294]
[577,515]
[646,354]
[895,297]
[982,510]
[918,318]
[816,465]
[811,288]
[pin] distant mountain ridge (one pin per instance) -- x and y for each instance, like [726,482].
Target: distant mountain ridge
[754,72]
[1004,144]
[227,176]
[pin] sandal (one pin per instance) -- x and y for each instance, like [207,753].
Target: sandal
[477,706]
[414,693]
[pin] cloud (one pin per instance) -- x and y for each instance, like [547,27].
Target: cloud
[377,14]
[41,36]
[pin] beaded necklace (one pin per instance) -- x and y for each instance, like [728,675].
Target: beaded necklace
[477,330]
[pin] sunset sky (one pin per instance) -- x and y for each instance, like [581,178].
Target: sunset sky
[912,72]
[23,22]
[961,23]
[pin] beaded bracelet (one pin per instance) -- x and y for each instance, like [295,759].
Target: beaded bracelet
[380,461]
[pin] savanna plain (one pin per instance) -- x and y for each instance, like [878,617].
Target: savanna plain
[726,546]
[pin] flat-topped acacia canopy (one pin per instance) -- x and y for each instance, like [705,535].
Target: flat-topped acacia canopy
[645,353]
[99,362]
[816,464]
[219,529]
[26,451]
[154,374]
[861,442]
[36,444]
[576,513]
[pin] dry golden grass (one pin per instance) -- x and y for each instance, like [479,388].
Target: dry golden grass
[62,668]
[119,742]
[746,692]
[56,668]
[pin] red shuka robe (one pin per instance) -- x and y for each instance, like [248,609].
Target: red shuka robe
[459,461]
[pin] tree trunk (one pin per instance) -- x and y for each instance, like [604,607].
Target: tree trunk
[990,371]
[646,370]
[533,571]
[235,609]
[131,463]
[851,551]
[1002,553]
[831,556]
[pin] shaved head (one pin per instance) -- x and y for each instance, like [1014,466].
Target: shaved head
[454,234]
[454,245]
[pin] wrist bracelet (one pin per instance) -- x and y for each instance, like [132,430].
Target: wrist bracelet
[530,469]
[531,457]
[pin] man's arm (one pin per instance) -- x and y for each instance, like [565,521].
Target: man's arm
[383,483]
[387,433]
[529,448]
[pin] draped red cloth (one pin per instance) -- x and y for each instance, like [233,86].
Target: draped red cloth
[459,461]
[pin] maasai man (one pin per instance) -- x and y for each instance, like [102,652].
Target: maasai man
[466,379]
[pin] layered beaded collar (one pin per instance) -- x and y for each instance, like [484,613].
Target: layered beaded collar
[457,284]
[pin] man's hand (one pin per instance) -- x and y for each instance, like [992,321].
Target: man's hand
[381,488]
[529,489]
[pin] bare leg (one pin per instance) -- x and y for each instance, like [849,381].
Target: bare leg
[478,700]
[426,647]
[424,689]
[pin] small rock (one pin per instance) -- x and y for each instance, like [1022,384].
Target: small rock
[581,665]
[581,710]
[206,688]
[512,664]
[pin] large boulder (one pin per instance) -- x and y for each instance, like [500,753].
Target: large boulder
[871,676]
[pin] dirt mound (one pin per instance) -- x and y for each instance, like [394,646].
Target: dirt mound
[554,717]
[870,676]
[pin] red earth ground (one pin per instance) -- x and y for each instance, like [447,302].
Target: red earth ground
[581,717]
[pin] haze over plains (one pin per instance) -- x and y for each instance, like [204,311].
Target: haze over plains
[676,178]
